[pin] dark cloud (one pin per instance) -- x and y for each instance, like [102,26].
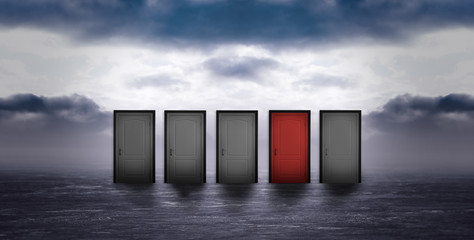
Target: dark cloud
[422,133]
[419,112]
[242,68]
[242,21]
[54,112]
[66,131]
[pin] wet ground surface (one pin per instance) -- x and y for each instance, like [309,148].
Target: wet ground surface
[80,205]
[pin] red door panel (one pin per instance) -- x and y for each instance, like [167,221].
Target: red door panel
[289,156]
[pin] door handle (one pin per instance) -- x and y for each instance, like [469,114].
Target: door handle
[222,152]
[326,151]
[120,152]
[171,152]
[275,152]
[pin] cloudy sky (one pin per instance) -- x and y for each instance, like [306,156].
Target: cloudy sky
[408,65]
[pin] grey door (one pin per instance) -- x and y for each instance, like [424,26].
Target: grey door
[134,146]
[185,146]
[340,146]
[236,147]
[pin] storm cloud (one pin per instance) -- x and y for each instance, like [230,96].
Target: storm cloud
[418,112]
[55,112]
[242,21]
[422,133]
[38,131]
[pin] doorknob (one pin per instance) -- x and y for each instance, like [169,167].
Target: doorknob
[326,151]
[171,152]
[222,152]
[120,152]
[275,152]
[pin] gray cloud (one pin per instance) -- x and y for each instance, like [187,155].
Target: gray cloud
[54,111]
[425,112]
[422,133]
[60,67]
[159,80]
[420,67]
[244,21]
[242,68]
[322,80]
[66,131]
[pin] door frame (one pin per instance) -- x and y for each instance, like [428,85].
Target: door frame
[321,112]
[217,139]
[270,140]
[167,112]
[116,112]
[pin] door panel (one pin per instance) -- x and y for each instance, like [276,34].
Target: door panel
[236,149]
[185,147]
[289,147]
[134,133]
[134,136]
[340,146]
[185,130]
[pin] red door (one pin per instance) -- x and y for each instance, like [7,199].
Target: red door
[289,146]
